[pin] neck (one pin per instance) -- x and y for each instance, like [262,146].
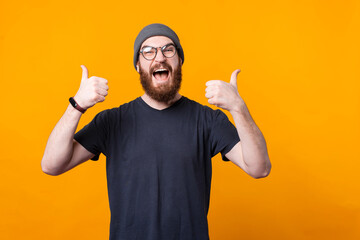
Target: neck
[159,105]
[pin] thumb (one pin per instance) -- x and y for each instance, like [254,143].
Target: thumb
[84,73]
[233,79]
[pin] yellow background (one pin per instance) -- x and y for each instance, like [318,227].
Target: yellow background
[300,81]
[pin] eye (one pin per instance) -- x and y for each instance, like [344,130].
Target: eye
[148,50]
[169,48]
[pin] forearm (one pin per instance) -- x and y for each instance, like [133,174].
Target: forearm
[251,155]
[59,148]
[254,150]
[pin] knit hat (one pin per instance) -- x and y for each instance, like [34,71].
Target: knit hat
[156,29]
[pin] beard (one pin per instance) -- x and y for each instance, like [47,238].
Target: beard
[166,91]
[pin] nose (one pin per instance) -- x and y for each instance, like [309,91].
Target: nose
[159,56]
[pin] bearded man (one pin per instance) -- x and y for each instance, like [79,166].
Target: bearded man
[159,146]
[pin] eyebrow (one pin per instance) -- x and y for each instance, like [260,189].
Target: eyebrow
[161,46]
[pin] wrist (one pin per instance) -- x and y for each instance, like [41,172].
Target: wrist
[241,113]
[238,107]
[76,105]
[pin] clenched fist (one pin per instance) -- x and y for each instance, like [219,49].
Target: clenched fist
[92,90]
[224,95]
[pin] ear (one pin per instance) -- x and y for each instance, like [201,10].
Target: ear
[180,59]
[137,67]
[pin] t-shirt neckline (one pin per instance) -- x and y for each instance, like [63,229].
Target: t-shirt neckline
[143,103]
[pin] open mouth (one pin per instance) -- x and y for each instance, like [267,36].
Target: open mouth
[161,74]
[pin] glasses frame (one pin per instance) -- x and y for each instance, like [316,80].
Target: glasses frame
[156,51]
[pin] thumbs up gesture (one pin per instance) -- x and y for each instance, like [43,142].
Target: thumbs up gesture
[224,95]
[92,90]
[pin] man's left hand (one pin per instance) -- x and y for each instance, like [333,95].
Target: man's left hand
[225,95]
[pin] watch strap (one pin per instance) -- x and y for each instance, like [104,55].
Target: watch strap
[76,105]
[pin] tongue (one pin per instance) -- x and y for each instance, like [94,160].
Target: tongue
[161,76]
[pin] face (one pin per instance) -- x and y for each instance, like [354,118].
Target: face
[161,76]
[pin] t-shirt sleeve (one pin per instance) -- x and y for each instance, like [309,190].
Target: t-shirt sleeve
[223,136]
[93,136]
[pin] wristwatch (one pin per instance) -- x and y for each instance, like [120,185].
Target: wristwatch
[76,105]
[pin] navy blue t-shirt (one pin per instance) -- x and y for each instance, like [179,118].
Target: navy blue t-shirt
[158,165]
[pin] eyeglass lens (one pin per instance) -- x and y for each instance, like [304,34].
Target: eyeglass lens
[149,53]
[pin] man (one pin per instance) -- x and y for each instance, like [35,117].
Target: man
[159,146]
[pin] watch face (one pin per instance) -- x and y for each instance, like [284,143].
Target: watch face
[72,101]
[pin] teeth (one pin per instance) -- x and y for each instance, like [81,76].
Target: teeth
[161,70]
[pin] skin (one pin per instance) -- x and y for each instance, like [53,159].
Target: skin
[62,152]
[250,154]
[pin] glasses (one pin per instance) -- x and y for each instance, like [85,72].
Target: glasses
[149,53]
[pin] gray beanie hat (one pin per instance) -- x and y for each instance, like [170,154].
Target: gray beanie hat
[156,29]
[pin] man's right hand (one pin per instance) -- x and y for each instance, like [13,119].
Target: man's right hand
[92,90]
